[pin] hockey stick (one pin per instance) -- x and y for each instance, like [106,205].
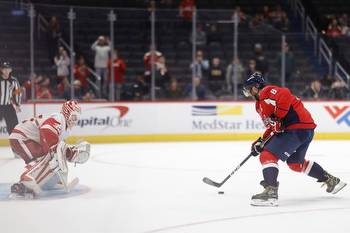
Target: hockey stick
[218,185]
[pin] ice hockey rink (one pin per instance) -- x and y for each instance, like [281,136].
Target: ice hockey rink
[157,187]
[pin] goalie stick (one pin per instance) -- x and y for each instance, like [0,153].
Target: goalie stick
[218,185]
[67,186]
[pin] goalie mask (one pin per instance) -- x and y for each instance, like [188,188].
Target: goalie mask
[71,112]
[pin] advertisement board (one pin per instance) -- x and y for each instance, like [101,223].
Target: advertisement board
[167,121]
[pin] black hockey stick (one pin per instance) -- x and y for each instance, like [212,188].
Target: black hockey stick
[218,185]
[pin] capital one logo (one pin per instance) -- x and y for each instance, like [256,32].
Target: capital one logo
[340,114]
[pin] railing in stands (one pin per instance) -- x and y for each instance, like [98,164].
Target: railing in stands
[325,53]
[298,10]
[321,49]
[311,31]
[42,25]
[341,74]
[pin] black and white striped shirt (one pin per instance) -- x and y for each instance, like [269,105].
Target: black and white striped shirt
[10,92]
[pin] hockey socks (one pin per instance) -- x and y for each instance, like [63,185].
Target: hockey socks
[270,176]
[270,167]
[316,171]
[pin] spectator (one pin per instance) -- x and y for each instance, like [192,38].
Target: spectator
[82,73]
[327,82]
[230,74]
[102,48]
[140,88]
[344,20]
[201,36]
[256,22]
[216,76]
[53,34]
[289,62]
[186,9]
[261,62]
[266,13]
[78,90]
[338,90]
[314,91]
[147,60]
[201,65]
[200,90]
[62,62]
[282,22]
[173,91]
[119,68]
[333,30]
[43,88]
[63,89]
[162,75]
[251,68]
[241,15]
[213,35]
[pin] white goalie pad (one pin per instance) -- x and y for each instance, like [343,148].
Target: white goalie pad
[83,152]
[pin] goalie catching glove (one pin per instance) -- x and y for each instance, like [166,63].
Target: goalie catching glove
[81,153]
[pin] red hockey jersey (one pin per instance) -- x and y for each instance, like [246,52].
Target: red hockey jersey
[279,103]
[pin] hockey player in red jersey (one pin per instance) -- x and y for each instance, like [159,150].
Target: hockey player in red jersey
[292,126]
[39,142]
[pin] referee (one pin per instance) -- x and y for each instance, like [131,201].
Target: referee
[10,96]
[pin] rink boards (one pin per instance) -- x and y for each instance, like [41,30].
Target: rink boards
[182,121]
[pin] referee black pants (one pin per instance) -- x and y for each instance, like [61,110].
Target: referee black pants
[8,113]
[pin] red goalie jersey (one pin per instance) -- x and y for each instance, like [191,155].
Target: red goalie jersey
[37,135]
[34,138]
[278,104]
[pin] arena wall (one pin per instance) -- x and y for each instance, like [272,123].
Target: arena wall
[183,121]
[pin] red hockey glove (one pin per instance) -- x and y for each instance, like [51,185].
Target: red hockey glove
[274,125]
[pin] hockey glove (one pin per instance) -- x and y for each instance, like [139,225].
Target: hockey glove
[257,147]
[274,125]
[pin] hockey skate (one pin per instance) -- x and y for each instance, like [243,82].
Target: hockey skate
[269,197]
[334,184]
[19,192]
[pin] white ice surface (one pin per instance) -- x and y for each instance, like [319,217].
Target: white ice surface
[157,187]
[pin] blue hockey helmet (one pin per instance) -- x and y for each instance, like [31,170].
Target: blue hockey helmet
[255,80]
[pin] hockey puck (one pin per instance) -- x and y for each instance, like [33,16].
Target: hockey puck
[221,192]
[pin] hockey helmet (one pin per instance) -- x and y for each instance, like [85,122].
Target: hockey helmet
[255,80]
[5,65]
[71,112]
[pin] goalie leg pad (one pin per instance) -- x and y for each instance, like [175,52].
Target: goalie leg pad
[38,173]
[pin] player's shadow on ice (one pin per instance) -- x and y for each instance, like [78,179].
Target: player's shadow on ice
[312,201]
[45,195]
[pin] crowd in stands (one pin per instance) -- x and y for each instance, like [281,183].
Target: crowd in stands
[338,26]
[212,79]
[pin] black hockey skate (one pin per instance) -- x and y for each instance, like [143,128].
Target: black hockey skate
[269,197]
[334,184]
[20,191]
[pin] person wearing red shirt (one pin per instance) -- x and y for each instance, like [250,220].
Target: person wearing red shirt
[119,67]
[186,8]
[292,129]
[147,59]
[82,73]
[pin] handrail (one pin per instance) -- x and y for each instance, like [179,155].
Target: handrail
[42,24]
[326,54]
[299,8]
[338,75]
[312,31]
[325,51]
